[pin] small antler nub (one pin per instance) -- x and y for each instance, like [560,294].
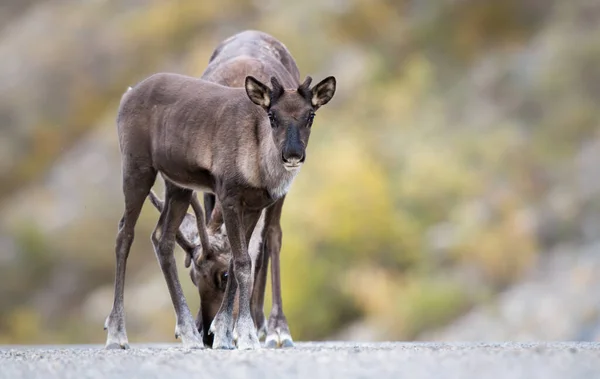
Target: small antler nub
[304,88]
[307,82]
[277,88]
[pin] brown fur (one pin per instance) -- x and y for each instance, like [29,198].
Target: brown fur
[260,55]
[204,136]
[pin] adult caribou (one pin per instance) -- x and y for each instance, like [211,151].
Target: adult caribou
[260,55]
[245,145]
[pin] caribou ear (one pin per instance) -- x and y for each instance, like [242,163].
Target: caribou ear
[188,260]
[323,92]
[198,257]
[259,93]
[201,256]
[190,251]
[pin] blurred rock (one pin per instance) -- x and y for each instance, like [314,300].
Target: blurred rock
[558,300]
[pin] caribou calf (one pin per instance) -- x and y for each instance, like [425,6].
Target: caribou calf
[210,261]
[245,145]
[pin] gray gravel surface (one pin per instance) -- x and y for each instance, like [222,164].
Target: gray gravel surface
[309,360]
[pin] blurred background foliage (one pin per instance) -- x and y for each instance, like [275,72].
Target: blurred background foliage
[459,150]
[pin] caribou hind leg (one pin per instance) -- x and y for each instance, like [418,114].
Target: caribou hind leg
[209,204]
[137,182]
[177,201]
[258,292]
[278,334]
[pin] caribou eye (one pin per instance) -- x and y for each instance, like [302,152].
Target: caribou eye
[272,119]
[311,117]
[222,281]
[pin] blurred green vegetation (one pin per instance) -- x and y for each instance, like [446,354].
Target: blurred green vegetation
[427,178]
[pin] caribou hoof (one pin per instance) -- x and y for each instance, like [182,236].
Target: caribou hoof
[223,338]
[279,339]
[262,331]
[247,339]
[117,337]
[190,338]
[117,346]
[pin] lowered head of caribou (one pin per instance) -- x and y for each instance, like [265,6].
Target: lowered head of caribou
[291,113]
[209,262]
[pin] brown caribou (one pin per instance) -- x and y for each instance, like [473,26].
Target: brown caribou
[260,55]
[245,145]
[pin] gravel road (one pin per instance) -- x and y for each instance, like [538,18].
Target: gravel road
[309,360]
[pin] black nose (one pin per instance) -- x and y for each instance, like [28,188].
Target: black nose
[293,149]
[294,158]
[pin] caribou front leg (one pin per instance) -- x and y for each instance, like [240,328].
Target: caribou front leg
[239,233]
[222,325]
